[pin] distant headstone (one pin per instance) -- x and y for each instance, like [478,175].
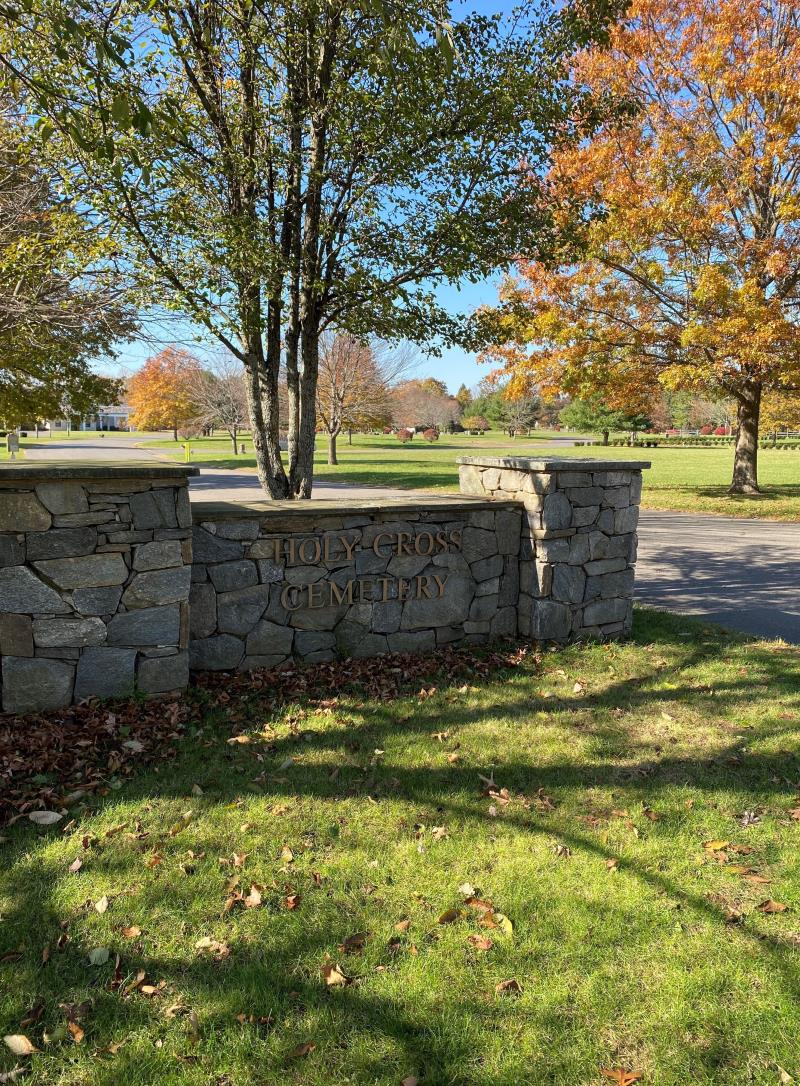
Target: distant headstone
[12,444]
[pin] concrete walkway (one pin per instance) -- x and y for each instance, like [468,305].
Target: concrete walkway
[744,574]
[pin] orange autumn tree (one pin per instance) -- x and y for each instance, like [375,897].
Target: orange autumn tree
[685,272]
[163,392]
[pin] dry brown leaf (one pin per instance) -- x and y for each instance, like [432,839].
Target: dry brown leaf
[334,977]
[355,942]
[621,1076]
[19,1044]
[771,907]
[715,846]
[101,905]
[402,925]
[132,932]
[449,916]
[409,1080]
[291,901]
[76,1031]
[287,855]
[76,865]
[480,942]
[508,987]
[305,1048]
[253,899]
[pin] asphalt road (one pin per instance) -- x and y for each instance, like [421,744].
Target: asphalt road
[744,574]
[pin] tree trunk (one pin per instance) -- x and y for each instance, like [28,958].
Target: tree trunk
[301,470]
[349,437]
[605,437]
[174,431]
[233,436]
[745,457]
[332,458]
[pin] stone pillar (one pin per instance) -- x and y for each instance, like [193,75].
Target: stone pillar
[95,569]
[578,551]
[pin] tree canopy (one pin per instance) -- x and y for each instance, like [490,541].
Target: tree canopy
[686,271]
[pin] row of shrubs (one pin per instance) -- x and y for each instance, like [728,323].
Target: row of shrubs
[689,443]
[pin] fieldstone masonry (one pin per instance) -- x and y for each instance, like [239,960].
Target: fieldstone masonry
[578,547]
[95,571]
[110,583]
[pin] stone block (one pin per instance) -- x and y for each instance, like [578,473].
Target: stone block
[86,520]
[146,626]
[21,511]
[270,639]
[605,565]
[97,601]
[220,653]
[238,611]
[160,554]
[163,674]
[202,611]
[52,633]
[574,479]
[608,585]
[22,592]
[127,536]
[508,525]
[616,497]
[386,616]
[16,635]
[550,621]
[445,635]
[154,509]
[307,642]
[612,478]
[636,488]
[269,572]
[63,497]
[88,571]
[483,608]
[584,514]
[604,546]
[237,529]
[105,672]
[603,611]
[33,685]
[12,550]
[183,508]
[413,641]
[511,481]
[477,543]
[509,584]
[504,623]
[470,479]
[158,587]
[586,495]
[487,568]
[578,550]
[61,543]
[490,479]
[553,550]
[450,609]
[318,618]
[568,583]
[557,512]
[538,482]
[230,575]
[625,520]
[209,548]
[605,522]
[368,562]
[488,588]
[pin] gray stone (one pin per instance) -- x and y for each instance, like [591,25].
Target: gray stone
[96,601]
[605,522]
[258,663]
[574,478]
[608,585]
[154,509]
[476,543]
[161,554]
[446,635]
[129,537]
[369,562]
[16,635]
[220,653]
[386,616]
[504,623]
[158,587]
[22,512]
[449,609]
[636,488]
[483,608]
[487,568]
[556,512]
[605,565]
[202,610]
[270,639]
[603,546]
[240,610]
[407,565]
[509,584]
[183,508]
[86,520]
[617,497]
[164,673]
[470,481]
[595,614]
[229,575]
[584,514]
[317,618]
[146,626]
[578,550]
[237,529]
[89,571]
[31,685]
[61,543]
[551,621]
[105,673]
[63,497]
[508,526]
[553,550]
[312,641]
[52,633]
[12,550]
[304,574]
[412,641]
[209,548]
[22,592]
[625,520]
[568,583]
[269,572]
[263,548]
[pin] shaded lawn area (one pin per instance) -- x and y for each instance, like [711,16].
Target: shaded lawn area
[626,807]
[681,480]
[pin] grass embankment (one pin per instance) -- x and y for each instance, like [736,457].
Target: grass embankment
[685,480]
[617,815]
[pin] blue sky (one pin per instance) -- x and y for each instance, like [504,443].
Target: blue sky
[454,367]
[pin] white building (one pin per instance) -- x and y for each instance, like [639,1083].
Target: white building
[116,417]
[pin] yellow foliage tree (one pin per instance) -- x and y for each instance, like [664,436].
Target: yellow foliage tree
[685,273]
[162,392]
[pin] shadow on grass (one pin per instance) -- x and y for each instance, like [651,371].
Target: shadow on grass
[448,1054]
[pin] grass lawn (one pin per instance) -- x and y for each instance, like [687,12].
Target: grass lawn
[519,877]
[692,480]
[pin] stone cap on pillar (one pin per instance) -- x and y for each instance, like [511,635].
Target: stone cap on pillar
[41,471]
[553,463]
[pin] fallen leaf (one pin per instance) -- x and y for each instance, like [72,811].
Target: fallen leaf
[45,818]
[239,858]
[771,907]
[98,956]
[448,916]
[714,846]
[197,790]
[76,865]
[291,901]
[480,942]
[287,855]
[621,1076]
[402,925]
[409,1080]
[303,1049]
[76,1031]
[508,987]
[253,899]
[19,1044]
[334,977]
[355,942]
[101,906]
[132,932]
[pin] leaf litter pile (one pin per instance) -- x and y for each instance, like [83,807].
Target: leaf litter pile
[57,759]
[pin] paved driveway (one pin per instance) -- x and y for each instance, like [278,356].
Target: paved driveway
[741,573]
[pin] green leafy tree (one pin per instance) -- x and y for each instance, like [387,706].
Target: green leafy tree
[274,172]
[596,417]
